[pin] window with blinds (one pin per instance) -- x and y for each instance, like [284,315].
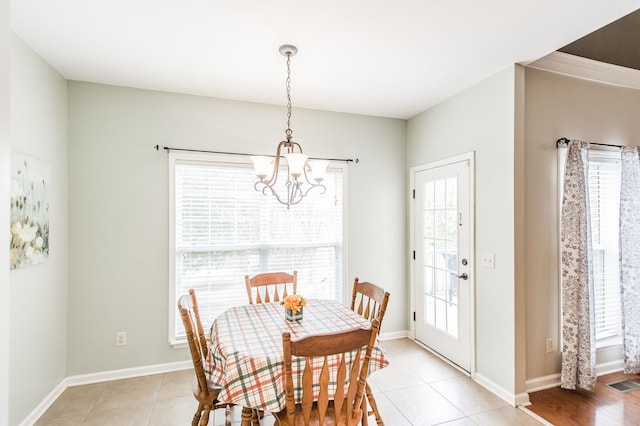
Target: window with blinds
[222,230]
[604,201]
[604,205]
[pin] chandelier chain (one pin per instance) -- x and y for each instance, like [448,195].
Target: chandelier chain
[288,132]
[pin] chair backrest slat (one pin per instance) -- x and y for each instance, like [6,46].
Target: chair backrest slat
[353,383]
[339,397]
[323,397]
[307,395]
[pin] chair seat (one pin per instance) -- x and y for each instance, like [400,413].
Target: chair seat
[330,417]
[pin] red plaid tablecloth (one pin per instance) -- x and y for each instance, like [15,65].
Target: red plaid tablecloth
[245,355]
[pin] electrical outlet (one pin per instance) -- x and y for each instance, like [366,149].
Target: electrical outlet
[121,338]
[549,344]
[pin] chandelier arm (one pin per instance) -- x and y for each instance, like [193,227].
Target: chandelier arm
[307,178]
[292,144]
[301,197]
[270,188]
[276,166]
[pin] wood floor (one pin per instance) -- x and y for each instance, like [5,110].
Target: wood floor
[603,406]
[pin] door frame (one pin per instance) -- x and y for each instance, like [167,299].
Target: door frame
[470,157]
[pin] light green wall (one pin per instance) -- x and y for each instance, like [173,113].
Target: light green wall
[38,294]
[5,49]
[118,206]
[481,119]
[559,106]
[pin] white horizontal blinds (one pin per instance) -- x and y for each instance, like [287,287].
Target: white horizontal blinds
[604,200]
[225,230]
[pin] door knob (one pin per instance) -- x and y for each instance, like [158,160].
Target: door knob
[463,276]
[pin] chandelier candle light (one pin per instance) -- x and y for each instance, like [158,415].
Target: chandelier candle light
[297,182]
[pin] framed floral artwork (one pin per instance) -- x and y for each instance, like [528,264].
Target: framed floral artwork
[29,240]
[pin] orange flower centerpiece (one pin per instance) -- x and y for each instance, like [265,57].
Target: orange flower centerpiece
[293,305]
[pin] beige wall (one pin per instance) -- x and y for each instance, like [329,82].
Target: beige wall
[559,106]
[483,119]
[38,293]
[118,206]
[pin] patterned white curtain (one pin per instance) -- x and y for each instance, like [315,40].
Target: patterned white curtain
[630,257]
[578,322]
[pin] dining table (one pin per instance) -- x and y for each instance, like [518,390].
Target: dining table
[245,356]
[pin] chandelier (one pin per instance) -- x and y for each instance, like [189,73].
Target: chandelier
[302,175]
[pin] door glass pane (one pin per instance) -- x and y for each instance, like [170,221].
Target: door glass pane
[452,257]
[429,195]
[429,310]
[428,281]
[429,252]
[440,283]
[440,224]
[429,224]
[440,194]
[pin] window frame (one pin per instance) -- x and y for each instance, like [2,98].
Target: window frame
[177,156]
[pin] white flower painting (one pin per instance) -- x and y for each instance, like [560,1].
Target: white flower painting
[29,237]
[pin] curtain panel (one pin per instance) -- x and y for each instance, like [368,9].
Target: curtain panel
[630,257]
[578,320]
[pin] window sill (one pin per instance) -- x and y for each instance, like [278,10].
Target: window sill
[179,344]
[608,342]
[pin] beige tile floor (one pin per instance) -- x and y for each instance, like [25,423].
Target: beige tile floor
[416,389]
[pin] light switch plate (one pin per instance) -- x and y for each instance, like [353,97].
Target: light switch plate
[488,260]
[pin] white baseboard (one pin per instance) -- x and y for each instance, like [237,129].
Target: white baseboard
[609,367]
[541,383]
[126,373]
[553,380]
[521,399]
[394,335]
[103,376]
[44,405]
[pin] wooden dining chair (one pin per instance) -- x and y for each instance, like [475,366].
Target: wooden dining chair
[353,350]
[271,286]
[370,301]
[204,392]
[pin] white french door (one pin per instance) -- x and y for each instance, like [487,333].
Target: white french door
[442,231]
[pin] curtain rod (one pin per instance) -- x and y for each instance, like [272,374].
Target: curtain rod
[564,141]
[167,148]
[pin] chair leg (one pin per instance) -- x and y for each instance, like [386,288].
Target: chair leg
[256,417]
[196,416]
[246,416]
[364,421]
[227,415]
[205,416]
[372,403]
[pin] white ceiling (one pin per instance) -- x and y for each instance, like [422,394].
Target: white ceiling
[381,58]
